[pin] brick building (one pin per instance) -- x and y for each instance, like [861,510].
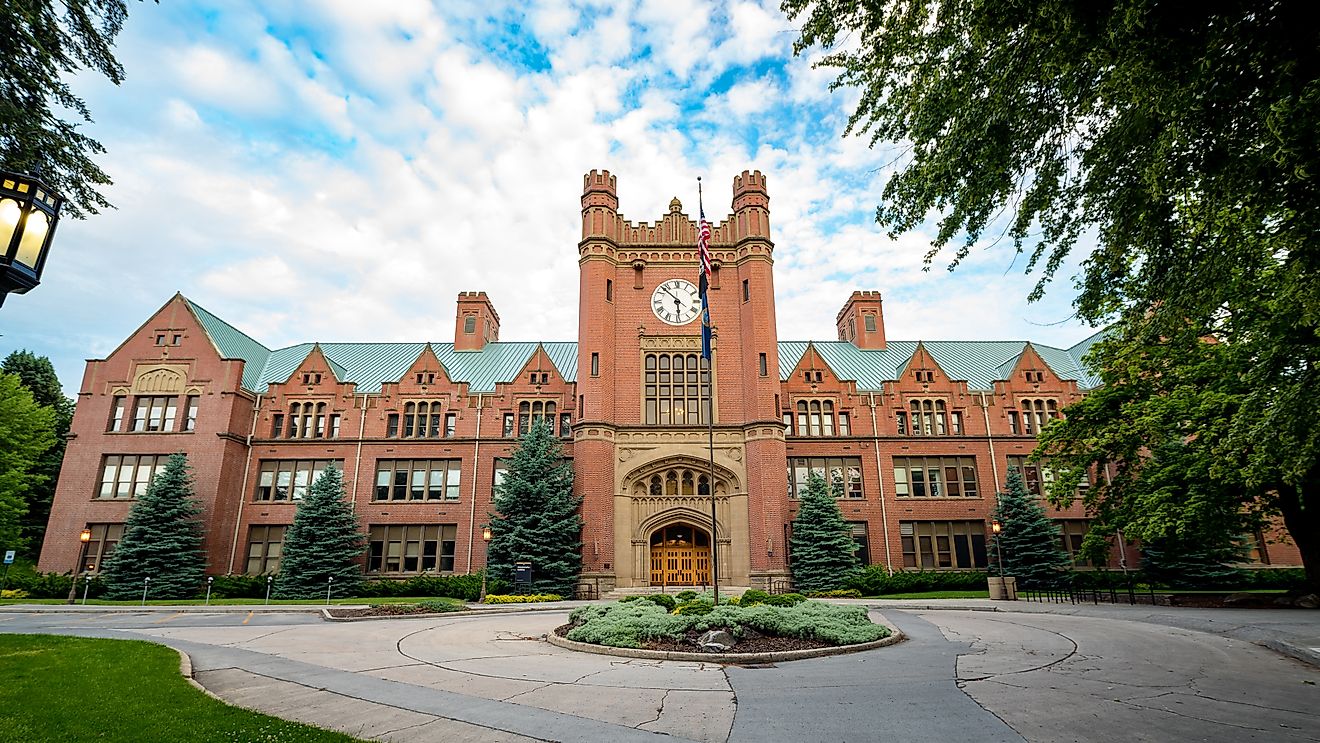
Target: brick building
[916,436]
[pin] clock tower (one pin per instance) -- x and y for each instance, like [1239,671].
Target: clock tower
[641,444]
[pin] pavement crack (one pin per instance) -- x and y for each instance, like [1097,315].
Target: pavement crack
[237,643]
[528,691]
[659,710]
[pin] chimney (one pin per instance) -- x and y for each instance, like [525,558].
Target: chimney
[476,323]
[861,322]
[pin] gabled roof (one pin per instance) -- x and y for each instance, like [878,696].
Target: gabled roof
[233,343]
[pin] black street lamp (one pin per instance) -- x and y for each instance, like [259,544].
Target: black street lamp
[84,537]
[485,570]
[29,211]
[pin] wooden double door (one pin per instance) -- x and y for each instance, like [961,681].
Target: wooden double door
[680,556]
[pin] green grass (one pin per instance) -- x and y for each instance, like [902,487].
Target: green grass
[74,688]
[238,602]
[936,595]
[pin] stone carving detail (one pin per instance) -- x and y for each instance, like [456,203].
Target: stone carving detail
[671,343]
[164,379]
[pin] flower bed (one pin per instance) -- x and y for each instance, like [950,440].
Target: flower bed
[648,625]
[533,598]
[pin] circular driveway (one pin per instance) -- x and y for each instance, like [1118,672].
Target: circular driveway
[962,675]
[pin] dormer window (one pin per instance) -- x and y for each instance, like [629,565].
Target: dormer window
[540,378]
[925,377]
[1035,377]
[311,378]
[425,377]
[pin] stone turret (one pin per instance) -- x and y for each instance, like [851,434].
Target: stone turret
[476,323]
[861,322]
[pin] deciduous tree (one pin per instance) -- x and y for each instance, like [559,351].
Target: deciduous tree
[38,375]
[27,430]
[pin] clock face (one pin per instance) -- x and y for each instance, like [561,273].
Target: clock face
[676,302]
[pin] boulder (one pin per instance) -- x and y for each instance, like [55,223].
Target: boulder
[717,641]
[1309,601]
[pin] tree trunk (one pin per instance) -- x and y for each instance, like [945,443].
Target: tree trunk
[1303,522]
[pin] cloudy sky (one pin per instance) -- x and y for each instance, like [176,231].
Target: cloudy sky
[336,170]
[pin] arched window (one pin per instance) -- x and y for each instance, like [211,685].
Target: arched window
[929,418]
[530,411]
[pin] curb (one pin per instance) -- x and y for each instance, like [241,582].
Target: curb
[1297,652]
[186,670]
[506,609]
[930,607]
[227,609]
[724,658]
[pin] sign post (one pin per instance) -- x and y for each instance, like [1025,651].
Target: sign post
[9,560]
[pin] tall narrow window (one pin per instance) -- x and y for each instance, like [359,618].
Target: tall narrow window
[747,291]
[565,425]
[928,418]
[277,425]
[531,411]
[451,423]
[116,414]
[595,365]
[609,290]
[190,413]
[869,323]
[845,425]
[392,425]
[765,371]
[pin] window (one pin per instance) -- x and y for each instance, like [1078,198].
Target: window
[935,477]
[924,376]
[418,479]
[672,389]
[956,423]
[747,291]
[508,425]
[265,546]
[609,290]
[815,418]
[1071,534]
[497,477]
[852,329]
[859,535]
[1013,426]
[928,418]
[190,412]
[308,420]
[470,324]
[128,475]
[420,420]
[451,424]
[869,323]
[276,425]
[1037,476]
[845,424]
[116,414]
[1035,377]
[176,340]
[843,474]
[160,339]
[901,422]
[676,481]
[531,411]
[595,365]
[765,371]
[425,377]
[288,479]
[155,413]
[1036,413]
[312,378]
[105,537]
[948,545]
[411,548]
[565,425]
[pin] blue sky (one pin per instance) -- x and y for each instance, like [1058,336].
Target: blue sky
[339,171]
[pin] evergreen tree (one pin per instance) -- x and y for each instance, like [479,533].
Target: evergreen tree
[537,519]
[1028,541]
[162,540]
[823,551]
[26,431]
[1174,562]
[38,375]
[324,541]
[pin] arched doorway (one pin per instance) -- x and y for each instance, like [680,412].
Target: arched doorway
[680,556]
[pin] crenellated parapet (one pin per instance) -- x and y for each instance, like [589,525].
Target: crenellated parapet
[602,222]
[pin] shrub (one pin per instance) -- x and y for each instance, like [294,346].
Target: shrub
[466,587]
[753,597]
[785,599]
[694,608]
[626,624]
[838,593]
[685,595]
[660,599]
[532,598]
[238,587]
[16,593]
[629,624]
[440,606]
[876,581]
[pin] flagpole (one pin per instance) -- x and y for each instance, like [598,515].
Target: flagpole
[710,415]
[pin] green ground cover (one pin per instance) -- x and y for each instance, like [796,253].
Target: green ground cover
[74,688]
[244,602]
[936,595]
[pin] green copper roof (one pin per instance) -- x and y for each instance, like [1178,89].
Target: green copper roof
[233,343]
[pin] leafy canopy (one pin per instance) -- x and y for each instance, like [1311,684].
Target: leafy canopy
[537,517]
[38,375]
[27,431]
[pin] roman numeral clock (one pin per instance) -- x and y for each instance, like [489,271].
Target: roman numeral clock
[676,302]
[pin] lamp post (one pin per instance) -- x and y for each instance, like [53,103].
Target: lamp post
[485,568]
[29,211]
[996,527]
[84,537]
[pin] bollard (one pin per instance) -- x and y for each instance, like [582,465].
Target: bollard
[145,582]
[269,580]
[209,580]
[330,581]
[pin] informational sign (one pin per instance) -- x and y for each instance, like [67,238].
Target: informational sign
[9,557]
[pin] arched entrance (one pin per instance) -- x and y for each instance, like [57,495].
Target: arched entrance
[680,556]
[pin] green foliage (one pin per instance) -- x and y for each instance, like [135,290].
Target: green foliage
[694,608]
[466,587]
[522,598]
[1181,138]
[238,587]
[47,44]
[38,375]
[537,519]
[839,593]
[27,432]
[13,593]
[659,599]
[48,585]
[162,540]
[324,542]
[876,581]
[753,596]
[629,624]
[1168,562]
[823,551]
[1028,541]
[685,595]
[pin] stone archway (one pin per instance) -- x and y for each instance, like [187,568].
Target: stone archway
[680,555]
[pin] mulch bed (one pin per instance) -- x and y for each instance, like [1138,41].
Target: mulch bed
[751,642]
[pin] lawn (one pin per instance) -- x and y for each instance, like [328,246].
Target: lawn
[936,595]
[74,688]
[238,602]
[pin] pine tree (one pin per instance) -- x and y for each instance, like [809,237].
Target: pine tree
[1028,541]
[537,519]
[162,540]
[823,551]
[324,542]
[1176,563]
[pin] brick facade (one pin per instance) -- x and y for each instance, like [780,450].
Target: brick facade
[445,410]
